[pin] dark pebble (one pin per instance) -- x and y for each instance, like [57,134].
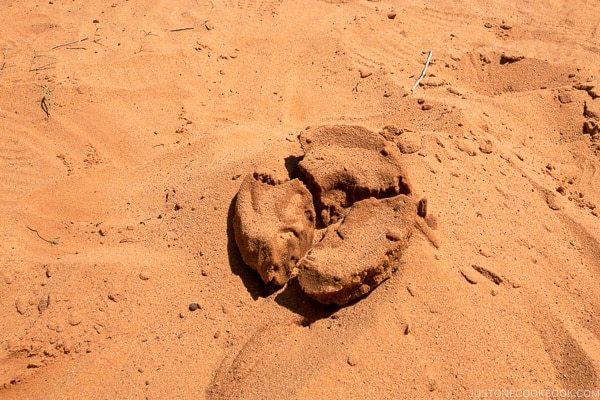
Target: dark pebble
[194,306]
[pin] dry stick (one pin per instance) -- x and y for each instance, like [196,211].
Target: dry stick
[187,28]
[68,43]
[52,241]
[422,73]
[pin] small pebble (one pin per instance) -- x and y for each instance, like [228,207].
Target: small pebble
[44,303]
[486,147]
[469,277]
[426,107]
[194,306]
[217,334]
[351,361]
[392,15]
[75,318]
[21,305]
[144,276]
[552,201]
[485,251]
[564,98]
[365,74]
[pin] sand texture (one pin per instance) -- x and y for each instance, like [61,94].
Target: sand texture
[129,128]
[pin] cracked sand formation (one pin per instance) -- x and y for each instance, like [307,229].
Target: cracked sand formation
[274,224]
[346,164]
[359,252]
[152,131]
[358,182]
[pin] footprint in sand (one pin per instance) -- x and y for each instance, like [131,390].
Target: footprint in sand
[352,197]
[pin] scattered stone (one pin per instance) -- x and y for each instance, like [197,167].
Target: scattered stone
[409,142]
[44,303]
[584,86]
[485,251]
[407,328]
[274,224]
[591,127]
[488,25]
[486,147]
[351,361]
[390,132]
[392,15]
[510,58]
[355,255]
[470,277]
[492,276]
[144,276]
[552,201]
[432,385]
[594,92]
[115,296]
[346,164]
[75,318]
[562,190]
[422,208]
[564,98]
[467,146]
[420,101]
[455,92]
[433,81]
[193,307]
[591,109]
[217,334]
[365,74]
[102,231]
[21,305]
[505,26]
[426,107]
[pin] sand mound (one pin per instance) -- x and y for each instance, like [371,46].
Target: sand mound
[346,164]
[274,224]
[128,127]
[347,170]
[359,252]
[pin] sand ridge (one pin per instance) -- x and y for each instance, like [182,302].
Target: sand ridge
[117,204]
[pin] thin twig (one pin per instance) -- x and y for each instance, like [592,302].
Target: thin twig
[127,240]
[380,235]
[52,241]
[68,43]
[422,73]
[186,28]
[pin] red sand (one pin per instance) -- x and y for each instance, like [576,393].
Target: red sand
[116,206]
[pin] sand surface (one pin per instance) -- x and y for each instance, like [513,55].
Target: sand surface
[121,151]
